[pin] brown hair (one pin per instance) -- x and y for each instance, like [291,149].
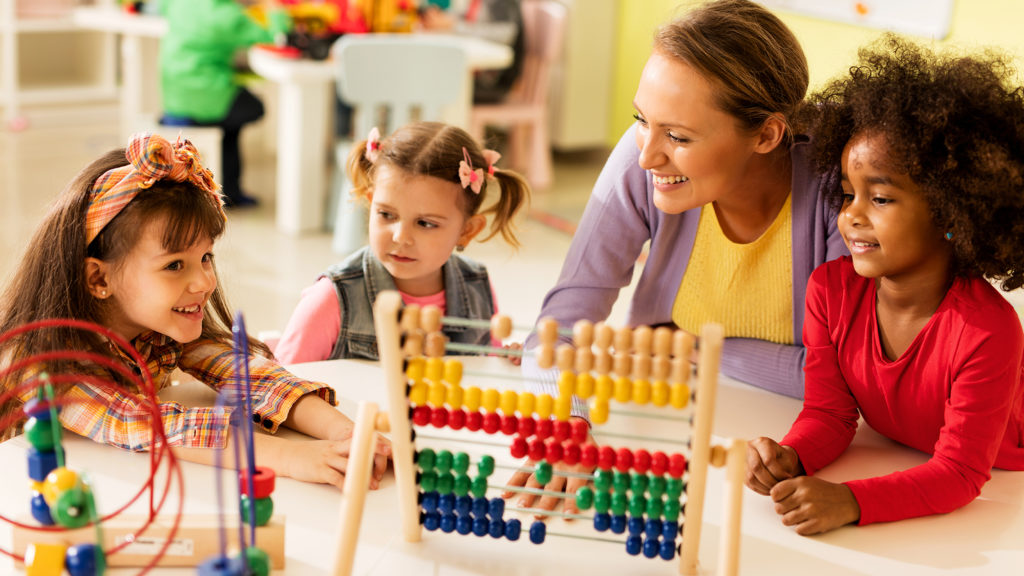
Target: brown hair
[435,149]
[752,59]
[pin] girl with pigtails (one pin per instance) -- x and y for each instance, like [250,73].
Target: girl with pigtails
[431,189]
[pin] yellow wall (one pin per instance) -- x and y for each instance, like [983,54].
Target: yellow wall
[831,47]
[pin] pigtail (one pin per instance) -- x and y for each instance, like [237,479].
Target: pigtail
[360,168]
[513,194]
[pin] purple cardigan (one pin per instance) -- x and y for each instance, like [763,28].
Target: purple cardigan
[620,218]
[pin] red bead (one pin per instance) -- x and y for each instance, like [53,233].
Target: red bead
[641,461]
[606,457]
[492,422]
[580,430]
[659,463]
[676,465]
[519,448]
[588,455]
[421,415]
[457,419]
[624,460]
[553,450]
[536,449]
[562,430]
[544,428]
[527,425]
[474,421]
[262,482]
[572,454]
[509,424]
[439,418]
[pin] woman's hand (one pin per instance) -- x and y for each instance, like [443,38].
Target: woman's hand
[768,463]
[814,505]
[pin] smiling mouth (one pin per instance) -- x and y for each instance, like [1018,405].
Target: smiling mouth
[188,309]
[663,180]
[401,258]
[859,244]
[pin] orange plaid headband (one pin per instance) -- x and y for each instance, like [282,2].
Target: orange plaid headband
[150,158]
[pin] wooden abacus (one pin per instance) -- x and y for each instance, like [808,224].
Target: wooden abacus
[643,366]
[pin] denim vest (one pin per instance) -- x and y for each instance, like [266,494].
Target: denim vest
[361,277]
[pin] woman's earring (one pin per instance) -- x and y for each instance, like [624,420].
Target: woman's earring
[103,293]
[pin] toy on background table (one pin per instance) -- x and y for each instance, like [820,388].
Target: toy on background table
[634,492]
[68,533]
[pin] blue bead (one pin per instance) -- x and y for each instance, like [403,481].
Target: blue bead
[496,508]
[668,549]
[669,530]
[480,506]
[481,526]
[512,529]
[464,525]
[651,547]
[432,521]
[81,559]
[635,525]
[40,510]
[221,566]
[448,523]
[497,528]
[633,545]
[653,528]
[618,524]
[446,503]
[537,532]
[429,502]
[464,505]
[602,521]
[40,464]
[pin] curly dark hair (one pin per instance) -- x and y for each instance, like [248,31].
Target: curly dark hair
[955,125]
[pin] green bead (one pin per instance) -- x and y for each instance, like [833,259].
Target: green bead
[258,561]
[637,505]
[486,465]
[461,485]
[40,434]
[638,482]
[444,462]
[460,463]
[428,481]
[71,508]
[445,482]
[655,508]
[674,488]
[602,502]
[620,482]
[479,486]
[584,498]
[603,480]
[264,510]
[657,486]
[426,459]
[619,501]
[543,472]
[672,510]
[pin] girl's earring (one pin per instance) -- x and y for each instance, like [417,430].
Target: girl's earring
[103,293]
[949,235]
[460,248]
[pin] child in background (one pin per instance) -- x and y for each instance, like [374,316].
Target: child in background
[906,331]
[426,185]
[129,246]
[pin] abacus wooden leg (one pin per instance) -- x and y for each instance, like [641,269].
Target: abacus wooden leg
[357,479]
[735,475]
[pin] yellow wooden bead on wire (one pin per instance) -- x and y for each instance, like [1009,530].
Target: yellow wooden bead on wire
[418,393]
[563,408]
[599,411]
[604,387]
[660,393]
[455,395]
[680,395]
[566,383]
[435,369]
[509,401]
[623,389]
[641,392]
[527,404]
[545,406]
[416,368]
[437,393]
[453,371]
[585,385]
[473,398]
[492,398]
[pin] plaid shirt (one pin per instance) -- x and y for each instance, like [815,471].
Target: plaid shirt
[114,418]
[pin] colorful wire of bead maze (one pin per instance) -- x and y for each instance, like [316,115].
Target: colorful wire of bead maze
[633,492]
[67,532]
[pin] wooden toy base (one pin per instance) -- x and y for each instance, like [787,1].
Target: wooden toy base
[196,540]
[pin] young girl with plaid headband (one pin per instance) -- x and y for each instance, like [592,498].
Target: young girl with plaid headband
[129,246]
[426,185]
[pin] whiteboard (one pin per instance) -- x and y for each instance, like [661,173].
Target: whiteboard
[929,18]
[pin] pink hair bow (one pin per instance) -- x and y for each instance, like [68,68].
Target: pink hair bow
[373,144]
[470,178]
[492,158]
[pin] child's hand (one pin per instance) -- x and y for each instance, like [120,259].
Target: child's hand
[814,505]
[768,463]
[514,360]
[319,461]
[558,483]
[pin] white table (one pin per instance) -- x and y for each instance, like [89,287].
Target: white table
[983,538]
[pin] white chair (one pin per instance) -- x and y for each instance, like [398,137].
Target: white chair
[525,110]
[389,80]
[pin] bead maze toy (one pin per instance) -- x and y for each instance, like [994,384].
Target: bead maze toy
[68,533]
[632,491]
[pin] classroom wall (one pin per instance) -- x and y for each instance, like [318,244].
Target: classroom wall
[831,47]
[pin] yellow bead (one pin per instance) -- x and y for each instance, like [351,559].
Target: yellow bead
[680,395]
[435,369]
[473,398]
[585,385]
[492,398]
[545,406]
[437,393]
[415,369]
[58,481]
[641,392]
[36,485]
[566,383]
[623,389]
[604,387]
[563,408]
[509,401]
[453,371]
[455,395]
[660,393]
[527,403]
[418,394]
[45,559]
[599,411]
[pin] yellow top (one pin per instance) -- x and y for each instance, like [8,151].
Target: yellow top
[750,285]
